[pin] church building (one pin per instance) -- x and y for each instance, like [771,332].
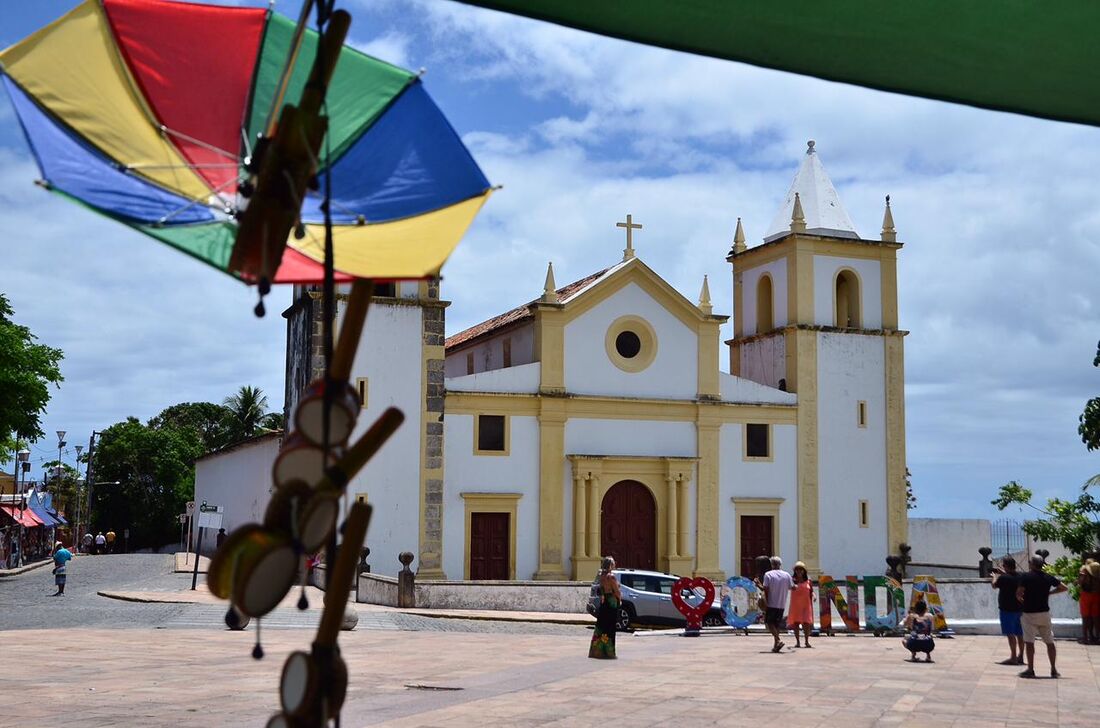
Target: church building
[597,418]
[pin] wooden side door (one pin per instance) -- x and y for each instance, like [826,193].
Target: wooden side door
[756,540]
[490,542]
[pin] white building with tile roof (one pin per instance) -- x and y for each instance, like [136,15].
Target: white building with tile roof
[596,418]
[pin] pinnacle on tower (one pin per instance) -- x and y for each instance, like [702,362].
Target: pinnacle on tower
[704,298]
[549,289]
[889,234]
[739,238]
[798,218]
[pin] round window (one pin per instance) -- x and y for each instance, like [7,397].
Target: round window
[628,344]
[631,343]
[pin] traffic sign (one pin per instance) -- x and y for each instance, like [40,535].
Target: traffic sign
[190,508]
[210,519]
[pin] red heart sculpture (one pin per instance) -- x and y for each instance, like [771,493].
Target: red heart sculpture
[694,614]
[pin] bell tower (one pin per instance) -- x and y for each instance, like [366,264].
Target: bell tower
[816,313]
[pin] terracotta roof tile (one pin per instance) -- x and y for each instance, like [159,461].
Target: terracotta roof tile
[516,315]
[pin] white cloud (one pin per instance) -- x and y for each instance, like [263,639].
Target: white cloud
[390,47]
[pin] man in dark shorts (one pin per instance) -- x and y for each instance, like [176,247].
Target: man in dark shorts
[777,589]
[1006,580]
[1033,592]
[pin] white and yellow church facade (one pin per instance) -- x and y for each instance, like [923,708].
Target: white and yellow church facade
[597,419]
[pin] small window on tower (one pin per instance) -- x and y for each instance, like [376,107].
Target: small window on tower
[470,363]
[861,413]
[756,441]
[864,514]
[507,352]
[361,390]
[491,435]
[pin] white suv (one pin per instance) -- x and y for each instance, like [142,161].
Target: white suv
[647,599]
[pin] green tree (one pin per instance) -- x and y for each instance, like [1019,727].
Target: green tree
[26,371]
[154,467]
[210,421]
[1089,429]
[910,496]
[247,410]
[1075,524]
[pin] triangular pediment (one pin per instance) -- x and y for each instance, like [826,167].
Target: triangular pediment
[636,272]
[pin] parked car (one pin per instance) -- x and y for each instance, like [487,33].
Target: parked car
[647,599]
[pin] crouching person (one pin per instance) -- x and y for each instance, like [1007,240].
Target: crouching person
[918,624]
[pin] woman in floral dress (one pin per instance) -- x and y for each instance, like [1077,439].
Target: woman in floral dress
[603,635]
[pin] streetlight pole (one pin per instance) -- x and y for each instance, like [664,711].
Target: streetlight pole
[88,478]
[74,526]
[57,483]
[22,466]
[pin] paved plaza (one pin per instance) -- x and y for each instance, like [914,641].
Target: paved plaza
[174,664]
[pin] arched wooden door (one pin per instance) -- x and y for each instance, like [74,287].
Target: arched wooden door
[628,526]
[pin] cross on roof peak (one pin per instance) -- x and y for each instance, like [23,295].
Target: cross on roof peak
[630,226]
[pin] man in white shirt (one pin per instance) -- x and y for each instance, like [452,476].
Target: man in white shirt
[101,543]
[777,589]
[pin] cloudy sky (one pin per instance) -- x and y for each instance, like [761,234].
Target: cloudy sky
[998,277]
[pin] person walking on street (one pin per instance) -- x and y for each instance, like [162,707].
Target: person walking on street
[1033,593]
[88,540]
[602,646]
[61,557]
[777,587]
[1006,580]
[100,543]
[110,542]
[1088,580]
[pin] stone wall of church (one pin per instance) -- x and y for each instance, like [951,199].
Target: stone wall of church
[739,478]
[764,360]
[305,356]
[389,351]
[467,472]
[852,459]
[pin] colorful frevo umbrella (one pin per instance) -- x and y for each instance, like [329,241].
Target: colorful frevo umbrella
[148,111]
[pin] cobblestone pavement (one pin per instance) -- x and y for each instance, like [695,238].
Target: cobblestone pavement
[96,678]
[26,602]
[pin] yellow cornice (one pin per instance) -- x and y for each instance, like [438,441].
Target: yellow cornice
[818,244]
[561,408]
[821,329]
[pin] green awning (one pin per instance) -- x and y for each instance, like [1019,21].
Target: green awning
[1031,57]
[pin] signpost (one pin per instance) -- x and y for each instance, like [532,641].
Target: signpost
[189,513]
[209,517]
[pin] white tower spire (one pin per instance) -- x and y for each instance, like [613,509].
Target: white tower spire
[823,213]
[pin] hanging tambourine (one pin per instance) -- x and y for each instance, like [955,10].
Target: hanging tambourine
[309,417]
[255,568]
[300,459]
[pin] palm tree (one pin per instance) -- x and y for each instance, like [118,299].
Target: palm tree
[247,409]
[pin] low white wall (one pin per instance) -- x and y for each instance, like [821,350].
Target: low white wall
[948,541]
[962,599]
[567,597]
